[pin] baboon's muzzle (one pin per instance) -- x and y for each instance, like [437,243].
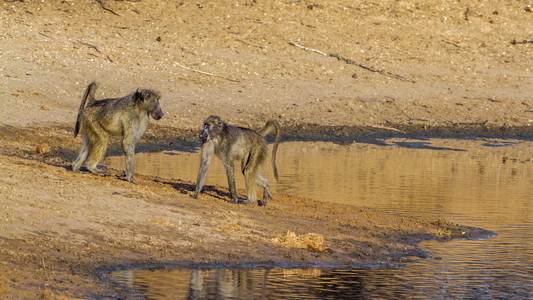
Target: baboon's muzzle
[158,114]
[203,136]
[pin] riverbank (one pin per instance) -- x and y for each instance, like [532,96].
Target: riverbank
[59,227]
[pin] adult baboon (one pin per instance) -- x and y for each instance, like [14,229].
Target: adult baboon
[232,143]
[127,116]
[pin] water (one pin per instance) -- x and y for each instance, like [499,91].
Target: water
[484,183]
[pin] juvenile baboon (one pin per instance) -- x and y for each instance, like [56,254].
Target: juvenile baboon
[127,116]
[232,143]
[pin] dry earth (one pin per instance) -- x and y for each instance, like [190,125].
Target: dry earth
[446,68]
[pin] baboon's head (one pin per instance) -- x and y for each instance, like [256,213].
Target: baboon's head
[211,128]
[150,102]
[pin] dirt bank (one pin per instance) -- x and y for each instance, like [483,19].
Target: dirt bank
[454,68]
[58,227]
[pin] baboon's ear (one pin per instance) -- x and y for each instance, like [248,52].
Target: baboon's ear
[139,95]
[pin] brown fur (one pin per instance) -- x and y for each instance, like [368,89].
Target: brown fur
[127,116]
[231,143]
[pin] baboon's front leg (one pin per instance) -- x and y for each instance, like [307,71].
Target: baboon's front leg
[128,145]
[207,151]
[230,173]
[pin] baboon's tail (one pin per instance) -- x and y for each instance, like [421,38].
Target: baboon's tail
[269,126]
[89,94]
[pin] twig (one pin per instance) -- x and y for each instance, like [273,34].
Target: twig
[46,35]
[382,72]
[246,43]
[352,62]
[307,49]
[89,45]
[481,122]
[411,119]
[205,73]
[452,43]
[387,128]
[105,8]
[514,42]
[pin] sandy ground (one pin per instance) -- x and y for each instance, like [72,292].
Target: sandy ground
[456,68]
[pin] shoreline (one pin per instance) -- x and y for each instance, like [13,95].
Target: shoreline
[82,224]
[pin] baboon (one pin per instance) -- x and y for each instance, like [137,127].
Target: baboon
[127,116]
[232,143]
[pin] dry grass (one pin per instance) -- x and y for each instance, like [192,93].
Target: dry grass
[311,241]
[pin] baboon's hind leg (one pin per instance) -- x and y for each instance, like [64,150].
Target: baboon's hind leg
[249,179]
[266,189]
[254,161]
[84,152]
[97,151]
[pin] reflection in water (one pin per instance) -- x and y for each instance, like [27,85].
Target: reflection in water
[243,283]
[486,183]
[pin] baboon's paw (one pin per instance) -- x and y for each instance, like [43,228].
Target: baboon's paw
[249,202]
[129,179]
[100,172]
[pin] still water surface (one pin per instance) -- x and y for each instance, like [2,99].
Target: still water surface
[484,183]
